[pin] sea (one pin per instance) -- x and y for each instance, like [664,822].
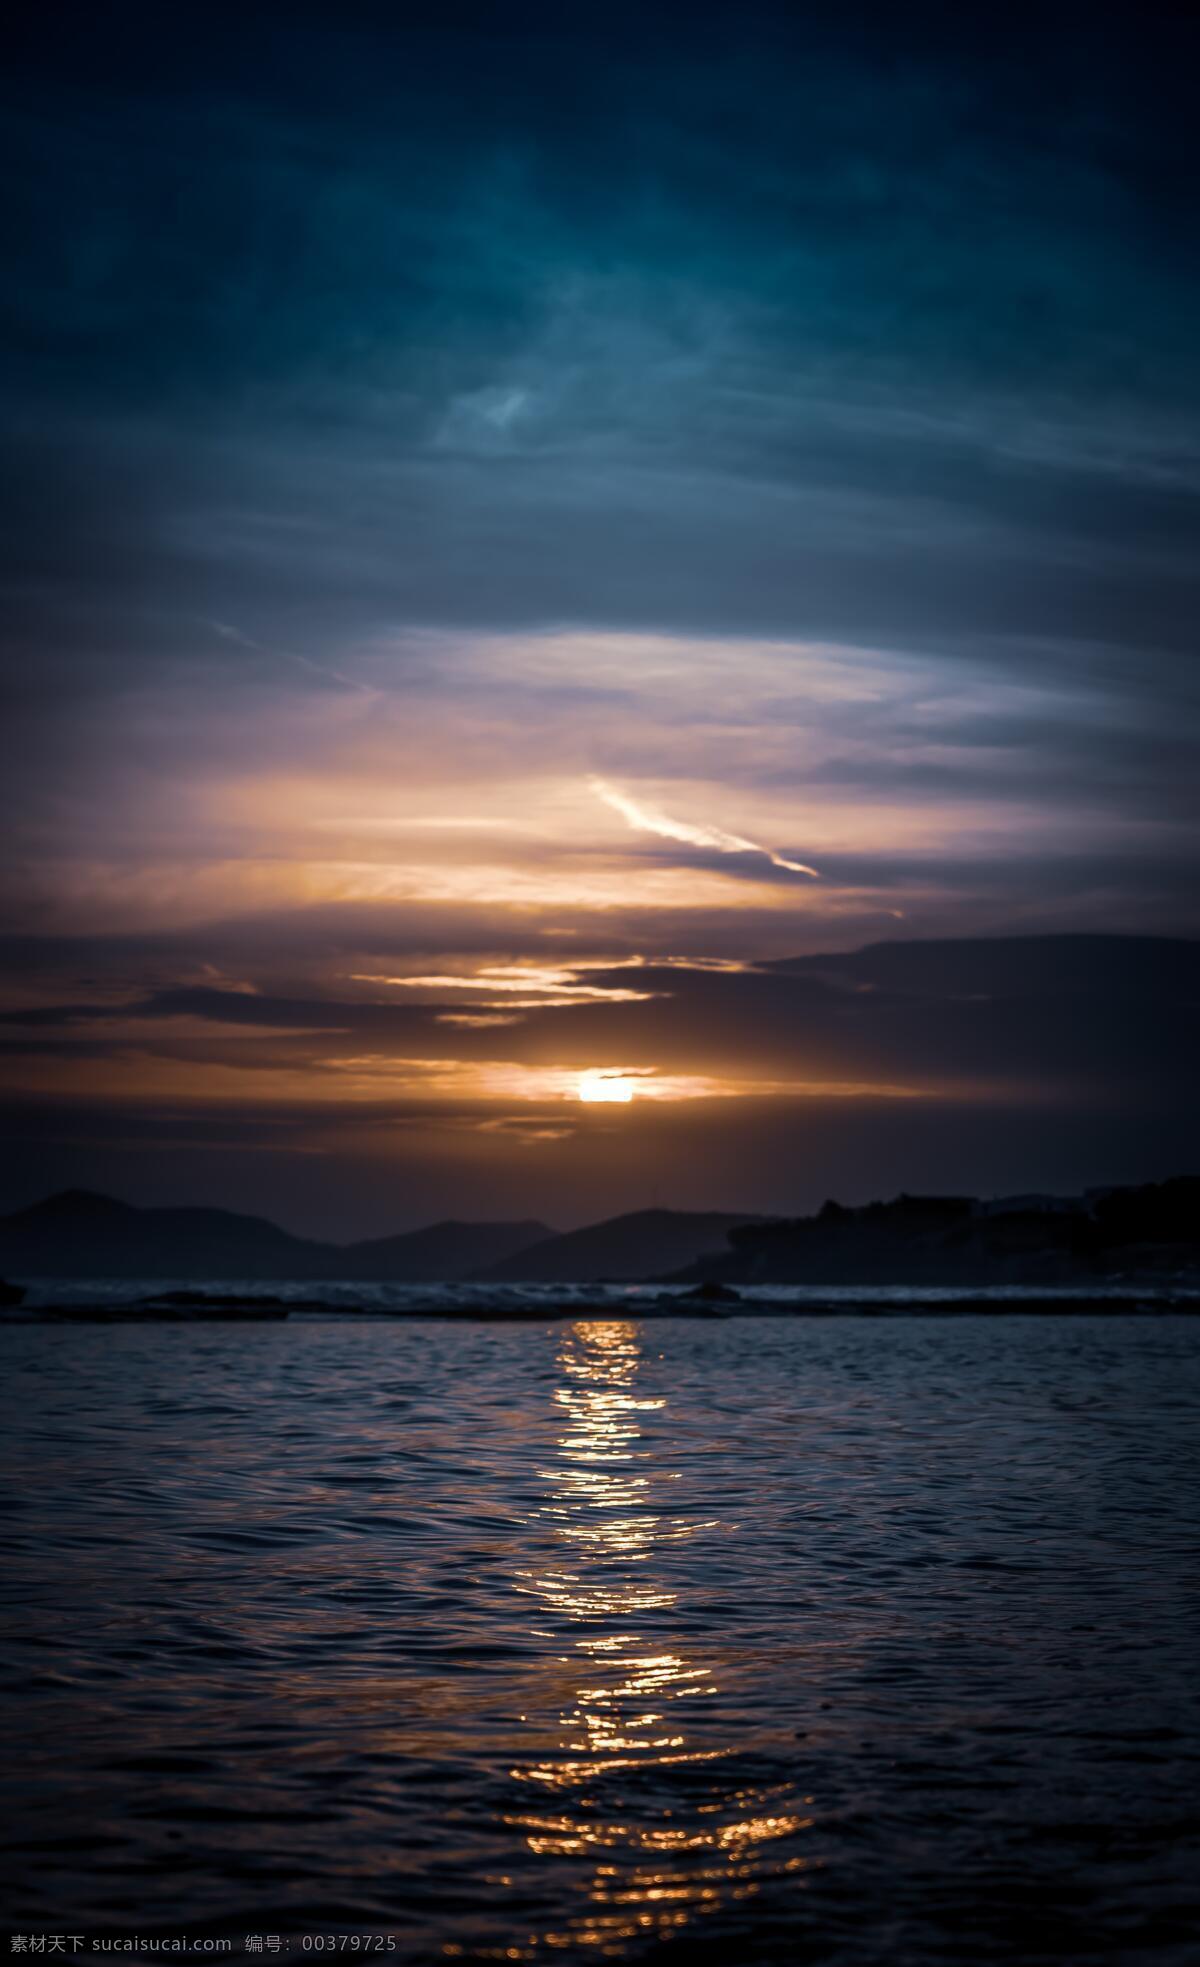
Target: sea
[487,1300]
[740,1641]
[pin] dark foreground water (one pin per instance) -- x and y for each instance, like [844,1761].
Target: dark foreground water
[748,1642]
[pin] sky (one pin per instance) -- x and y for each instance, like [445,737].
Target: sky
[546,548]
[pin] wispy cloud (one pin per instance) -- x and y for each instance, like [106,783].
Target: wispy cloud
[228,633]
[540,988]
[645,819]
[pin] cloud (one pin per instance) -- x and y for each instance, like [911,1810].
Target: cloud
[527,986]
[1040,1063]
[231,634]
[796,422]
[1030,1020]
[644,819]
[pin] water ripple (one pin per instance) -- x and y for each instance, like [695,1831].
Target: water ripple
[739,1642]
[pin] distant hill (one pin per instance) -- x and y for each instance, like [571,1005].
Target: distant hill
[445,1252]
[1151,1231]
[79,1234]
[649,1243]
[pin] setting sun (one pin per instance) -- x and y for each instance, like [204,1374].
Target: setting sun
[609,1086]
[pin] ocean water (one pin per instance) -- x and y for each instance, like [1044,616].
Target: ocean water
[746,1641]
[622,1300]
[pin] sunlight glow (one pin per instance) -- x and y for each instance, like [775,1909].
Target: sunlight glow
[608,1086]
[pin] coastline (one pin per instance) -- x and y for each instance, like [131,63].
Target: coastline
[1002,1302]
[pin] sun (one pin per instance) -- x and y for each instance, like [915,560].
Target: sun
[609,1086]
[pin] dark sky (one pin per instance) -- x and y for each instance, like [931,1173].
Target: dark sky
[526,521]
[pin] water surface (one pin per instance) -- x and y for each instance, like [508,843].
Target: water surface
[746,1641]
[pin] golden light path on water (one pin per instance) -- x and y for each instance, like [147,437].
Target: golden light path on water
[656,1852]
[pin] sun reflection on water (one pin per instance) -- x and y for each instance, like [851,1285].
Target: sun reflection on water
[656,1837]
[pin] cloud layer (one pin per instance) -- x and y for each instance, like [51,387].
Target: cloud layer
[576,490]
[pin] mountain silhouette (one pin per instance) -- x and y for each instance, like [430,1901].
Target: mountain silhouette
[1151,1229]
[646,1243]
[446,1251]
[955,1240]
[81,1234]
